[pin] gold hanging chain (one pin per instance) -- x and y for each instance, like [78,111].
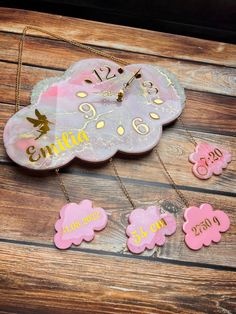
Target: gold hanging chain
[62,186]
[103,54]
[121,184]
[191,138]
[171,180]
[72,42]
[19,70]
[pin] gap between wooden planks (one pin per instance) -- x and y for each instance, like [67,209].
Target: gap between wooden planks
[220,83]
[58,56]
[26,197]
[121,37]
[194,117]
[39,279]
[35,73]
[42,280]
[174,148]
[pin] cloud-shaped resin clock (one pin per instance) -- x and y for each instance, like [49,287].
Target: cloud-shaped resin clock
[95,109]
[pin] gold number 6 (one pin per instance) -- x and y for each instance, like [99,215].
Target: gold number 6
[139,126]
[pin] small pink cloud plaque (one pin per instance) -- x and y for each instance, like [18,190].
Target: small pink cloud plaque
[203,226]
[77,223]
[148,228]
[208,160]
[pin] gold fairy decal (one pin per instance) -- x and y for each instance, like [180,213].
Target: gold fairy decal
[42,123]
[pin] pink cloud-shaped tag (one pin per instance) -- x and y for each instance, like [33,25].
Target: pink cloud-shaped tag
[77,223]
[209,159]
[203,226]
[148,228]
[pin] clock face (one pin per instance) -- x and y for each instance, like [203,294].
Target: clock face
[94,110]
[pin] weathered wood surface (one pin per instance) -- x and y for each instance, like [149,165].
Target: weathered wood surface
[102,277]
[76,282]
[58,56]
[23,200]
[123,38]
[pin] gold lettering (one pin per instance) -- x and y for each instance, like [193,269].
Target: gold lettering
[87,219]
[157,225]
[48,150]
[77,224]
[64,138]
[82,136]
[137,237]
[72,226]
[31,153]
[60,144]
[73,139]
[143,233]
[91,217]
[69,140]
[96,215]
[160,224]
[65,230]
[152,228]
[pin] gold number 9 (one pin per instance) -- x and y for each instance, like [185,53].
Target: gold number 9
[88,110]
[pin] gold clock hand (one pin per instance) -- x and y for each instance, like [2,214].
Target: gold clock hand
[136,75]
[121,92]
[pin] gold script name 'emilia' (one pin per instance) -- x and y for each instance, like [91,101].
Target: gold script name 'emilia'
[67,141]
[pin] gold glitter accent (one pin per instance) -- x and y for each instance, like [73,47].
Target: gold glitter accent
[100,124]
[81,94]
[120,130]
[167,78]
[25,135]
[154,115]
[158,101]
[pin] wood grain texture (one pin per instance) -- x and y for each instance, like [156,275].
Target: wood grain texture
[25,197]
[102,276]
[58,56]
[174,148]
[122,38]
[75,282]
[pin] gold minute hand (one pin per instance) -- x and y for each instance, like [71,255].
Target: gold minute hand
[121,92]
[136,75]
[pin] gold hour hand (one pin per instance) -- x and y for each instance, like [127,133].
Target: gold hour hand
[121,92]
[136,75]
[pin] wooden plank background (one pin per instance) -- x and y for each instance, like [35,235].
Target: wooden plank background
[102,277]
